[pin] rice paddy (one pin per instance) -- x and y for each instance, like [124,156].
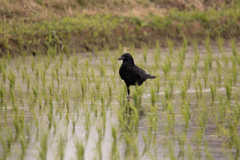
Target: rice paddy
[74,106]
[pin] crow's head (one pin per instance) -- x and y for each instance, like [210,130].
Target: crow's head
[126,57]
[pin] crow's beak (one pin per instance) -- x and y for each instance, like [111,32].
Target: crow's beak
[121,58]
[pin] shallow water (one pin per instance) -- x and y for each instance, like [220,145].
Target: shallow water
[96,113]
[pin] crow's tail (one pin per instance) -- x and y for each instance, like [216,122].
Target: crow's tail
[151,77]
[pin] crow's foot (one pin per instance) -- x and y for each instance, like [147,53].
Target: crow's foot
[128,97]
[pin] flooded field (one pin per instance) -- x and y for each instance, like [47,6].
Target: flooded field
[74,106]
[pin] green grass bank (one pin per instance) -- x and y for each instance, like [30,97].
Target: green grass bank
[81,26]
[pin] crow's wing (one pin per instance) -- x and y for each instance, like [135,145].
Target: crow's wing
[136,71]
[136,75]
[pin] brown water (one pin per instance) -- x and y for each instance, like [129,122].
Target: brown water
[218,145]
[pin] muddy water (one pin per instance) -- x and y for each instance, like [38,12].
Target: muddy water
[85,110]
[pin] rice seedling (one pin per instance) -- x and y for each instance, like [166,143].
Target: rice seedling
[87,122]
[209,53]
[137,94]
[233,129]
[167,93]
[24,144]
[114,151]
[93,73]
[225,59]
[145,52]
[184,43]
[2,92]
[208,154]
[186,113]
[106,53]
[213,91]
[102,70]
[114,65]
[99,142]
[9,57]
[153,97]
[43,148]
[61,147]
[146,144]
[219,73]
[98,85]
[196,53]
[4,75]
[166,66]
[220,43]
[194,69]
[205,78]
[13,100]
[188,79]
[6,144]
[157,53]
[11,78]
[80,149]
[228,87]
[234,70]
[157,83]
[83,95]
[180,61]
[234,49]
[183,90]
[153,120]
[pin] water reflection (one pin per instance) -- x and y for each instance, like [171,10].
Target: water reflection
[129,125]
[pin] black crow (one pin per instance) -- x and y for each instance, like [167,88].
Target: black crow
[130,73]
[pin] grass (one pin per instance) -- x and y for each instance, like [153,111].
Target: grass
[94,32]
[65,102]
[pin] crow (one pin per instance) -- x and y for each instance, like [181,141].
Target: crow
[132,74]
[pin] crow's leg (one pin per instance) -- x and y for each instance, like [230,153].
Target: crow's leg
[128,89]
[128,96]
